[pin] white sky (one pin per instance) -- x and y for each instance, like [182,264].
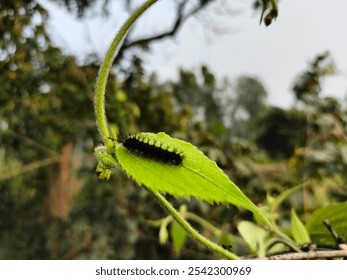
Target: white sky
[276,54]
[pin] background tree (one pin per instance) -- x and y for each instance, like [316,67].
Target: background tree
[247,104]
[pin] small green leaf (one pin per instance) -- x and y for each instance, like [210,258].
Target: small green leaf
[196,176]
[254,236]
[274,203]
[298,229]
[336,214]
[105,163]
[178,236]
[163,232]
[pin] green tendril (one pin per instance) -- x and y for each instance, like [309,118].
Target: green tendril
[105,69]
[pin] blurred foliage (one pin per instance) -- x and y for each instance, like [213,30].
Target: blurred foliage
[274,127]
[52,205]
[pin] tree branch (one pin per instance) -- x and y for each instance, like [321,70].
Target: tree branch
[9,173]
[180,19]
[307,255]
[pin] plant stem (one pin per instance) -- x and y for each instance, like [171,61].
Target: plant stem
[287,240]
[106,66]
[189,229]
[202,222]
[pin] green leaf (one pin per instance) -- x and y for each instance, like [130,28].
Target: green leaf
[298,229]
[254,236]
[336,214]
[163,232]
[196,176]
[178,236]
[283,196]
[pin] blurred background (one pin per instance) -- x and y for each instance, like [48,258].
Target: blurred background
[194,69]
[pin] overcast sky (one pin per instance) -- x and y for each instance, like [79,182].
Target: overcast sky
[276,54]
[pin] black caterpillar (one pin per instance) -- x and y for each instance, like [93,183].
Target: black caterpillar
[138,146]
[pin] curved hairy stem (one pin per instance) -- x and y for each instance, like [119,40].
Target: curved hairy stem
[216,231]
[189,229]
[287,240]
[105,69]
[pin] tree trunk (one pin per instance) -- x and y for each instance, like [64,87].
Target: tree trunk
[60,187]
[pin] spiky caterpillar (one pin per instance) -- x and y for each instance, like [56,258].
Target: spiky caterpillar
[151,149]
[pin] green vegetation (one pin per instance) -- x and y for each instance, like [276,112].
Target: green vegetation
[291,163]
